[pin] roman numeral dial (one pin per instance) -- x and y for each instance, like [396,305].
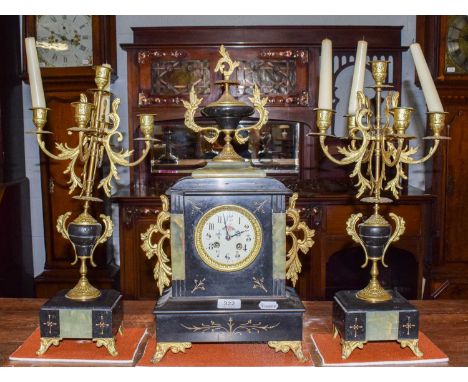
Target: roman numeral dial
[457,43]
[64,41]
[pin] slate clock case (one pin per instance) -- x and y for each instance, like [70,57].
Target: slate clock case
[190,310]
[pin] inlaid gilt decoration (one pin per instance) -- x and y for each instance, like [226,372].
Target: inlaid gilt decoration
[293,263]
[162,271]
[231,327]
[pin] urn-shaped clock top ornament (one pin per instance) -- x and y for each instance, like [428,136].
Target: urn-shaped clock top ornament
[227,112]
[233,242]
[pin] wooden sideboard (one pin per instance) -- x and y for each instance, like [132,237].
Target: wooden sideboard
[162,66]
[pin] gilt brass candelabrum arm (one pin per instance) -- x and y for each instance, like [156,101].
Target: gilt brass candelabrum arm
[378,146]
[96,127]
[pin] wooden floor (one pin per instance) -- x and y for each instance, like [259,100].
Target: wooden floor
[444,322]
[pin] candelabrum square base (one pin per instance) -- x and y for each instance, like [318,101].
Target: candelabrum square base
[99,319]
[357,322]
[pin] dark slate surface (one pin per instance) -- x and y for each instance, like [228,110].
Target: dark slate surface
[199,320]
[107,300]
[351,303]
[196,186]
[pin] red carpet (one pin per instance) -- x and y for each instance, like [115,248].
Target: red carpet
[376,353]
[225,355]
[83,352]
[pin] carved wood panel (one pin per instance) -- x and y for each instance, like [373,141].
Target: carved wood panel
[167,75]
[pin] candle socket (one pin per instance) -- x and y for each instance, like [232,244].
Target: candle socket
[351,125]
[437,122]
[324,119]
[401,119]
[103,74]
[147,124]
[39,117]
[82,113]
[379,71]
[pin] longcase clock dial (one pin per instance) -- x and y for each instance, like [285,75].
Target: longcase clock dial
[228,238]
[457,45]
[64,41]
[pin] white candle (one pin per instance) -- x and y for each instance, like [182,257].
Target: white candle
[34,73]
[358,76]
[427,84]
[326,79]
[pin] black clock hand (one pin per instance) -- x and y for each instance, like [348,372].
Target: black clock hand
[228,237]
[238,233]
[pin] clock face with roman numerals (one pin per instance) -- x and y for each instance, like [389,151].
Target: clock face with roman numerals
[228,238]
[64,41]
[457,45]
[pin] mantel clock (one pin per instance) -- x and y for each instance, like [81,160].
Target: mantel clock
[228,227]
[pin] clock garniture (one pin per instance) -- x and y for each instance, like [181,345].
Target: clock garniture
[376,144]
[84,312]
[228,229]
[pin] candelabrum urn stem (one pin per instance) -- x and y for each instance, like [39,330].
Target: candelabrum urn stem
[83,290]
[84,232]
[228,154]
[374,292]
[375,233]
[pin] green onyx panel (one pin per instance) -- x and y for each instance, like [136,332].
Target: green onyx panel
[76,323]
[177,247]
[279,245]
[382,326]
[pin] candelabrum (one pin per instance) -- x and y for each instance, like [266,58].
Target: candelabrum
[375,145]
[96,127]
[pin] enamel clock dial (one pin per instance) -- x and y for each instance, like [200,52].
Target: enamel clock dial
[228,238]
[457,45]
[64,41]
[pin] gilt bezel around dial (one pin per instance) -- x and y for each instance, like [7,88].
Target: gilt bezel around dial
[253,231]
